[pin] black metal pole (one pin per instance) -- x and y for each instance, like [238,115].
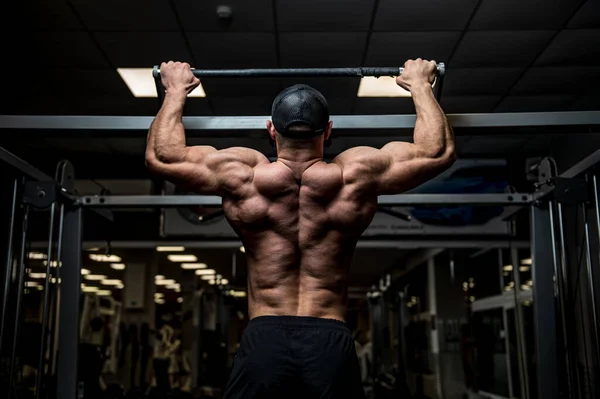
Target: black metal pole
[544,304]
[58,279]
[68,353]
[46,309]
[561,302]
[590,273]
[20,283]
[300,72]
[9,260]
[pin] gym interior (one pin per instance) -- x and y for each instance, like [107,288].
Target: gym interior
[482,283]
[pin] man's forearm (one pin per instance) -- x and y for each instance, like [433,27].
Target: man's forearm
[432,134]
[166,137]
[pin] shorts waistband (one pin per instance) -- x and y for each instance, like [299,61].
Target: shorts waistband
[298,322]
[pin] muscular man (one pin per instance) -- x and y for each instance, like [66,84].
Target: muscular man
[299,219]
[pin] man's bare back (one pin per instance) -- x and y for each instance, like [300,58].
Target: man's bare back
[299,219]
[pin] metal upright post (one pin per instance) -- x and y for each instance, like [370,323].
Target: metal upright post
[9,261]
[560,294]
[41,372]
[544,303]
[20,283]
[590,273]
[69,305]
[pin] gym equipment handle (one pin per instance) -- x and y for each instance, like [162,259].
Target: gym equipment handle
[300,72]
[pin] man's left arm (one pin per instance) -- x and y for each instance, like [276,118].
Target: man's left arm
[201,169]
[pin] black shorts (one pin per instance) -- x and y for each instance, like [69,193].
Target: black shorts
[288,357]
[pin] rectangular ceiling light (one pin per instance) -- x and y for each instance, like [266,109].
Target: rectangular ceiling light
[182,258]
[175,286]
[94,277]
[31,284]
[85,272]
[141,83]
[205,272]
[37,255]
[103,292]
[159,277]
[37,275]
[164,282]
[384,86]
[193,266]
[90,289]
[527,261]
[105,258]
[117,266]
[109,281]
[207,277]
[170,249]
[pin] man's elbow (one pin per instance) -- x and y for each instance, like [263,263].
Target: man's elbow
[447,156]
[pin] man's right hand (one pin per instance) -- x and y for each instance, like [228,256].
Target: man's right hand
[178,76]
[417,73]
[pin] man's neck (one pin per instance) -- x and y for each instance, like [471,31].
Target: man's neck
[299,159]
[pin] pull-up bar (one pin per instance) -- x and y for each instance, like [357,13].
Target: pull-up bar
[359,72]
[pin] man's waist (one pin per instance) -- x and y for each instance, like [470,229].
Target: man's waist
[298,323]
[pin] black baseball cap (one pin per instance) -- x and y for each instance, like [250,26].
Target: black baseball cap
[300,105]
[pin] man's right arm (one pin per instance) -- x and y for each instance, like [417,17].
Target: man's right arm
[400,166]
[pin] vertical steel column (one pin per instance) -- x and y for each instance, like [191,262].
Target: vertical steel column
[9,261]
[544,303]
[560,294]
[519,325]
[590,273]
[69,305]
[55,313]
[41,369]
[20,283]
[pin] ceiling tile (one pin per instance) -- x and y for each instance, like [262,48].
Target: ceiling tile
[588,16]
[526,15]
[462,81]
[81,82]
[384,106]
[558,80]
[395,48]
[39,15]
[323,49]
[143,49]
[247,16]
[329,87]
[241,87]
[442,15]
[502,48]
[59,49]
[127,16]
[545,103]
[469,104]
[586,103]
[233,50]
[324,16]
[236,106]
[562,50]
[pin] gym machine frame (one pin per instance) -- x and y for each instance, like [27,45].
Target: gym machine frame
[544,238]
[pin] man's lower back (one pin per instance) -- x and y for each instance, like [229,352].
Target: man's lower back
[295,357]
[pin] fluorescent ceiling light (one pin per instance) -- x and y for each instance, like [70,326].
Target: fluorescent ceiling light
[111,282]
[527,261]
[37,275]
[164,282]
[105,258]
[52,263]
[31,284]
[207,277]
[193,266]
[523,268]
[224,281]
[85,272]
[118,266]
[205,272]
[159,301]
[159,295]
[173,286]
[93,249]
[36,255]
[141,82]
[182,258]
[95,277]
[238,294]
[525,287]
[40,288]
[103,292]
[212,282]
[90,289]
[120,286]
[159,277]
[508,268]
[243,250]
[170,249]
[384,86]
